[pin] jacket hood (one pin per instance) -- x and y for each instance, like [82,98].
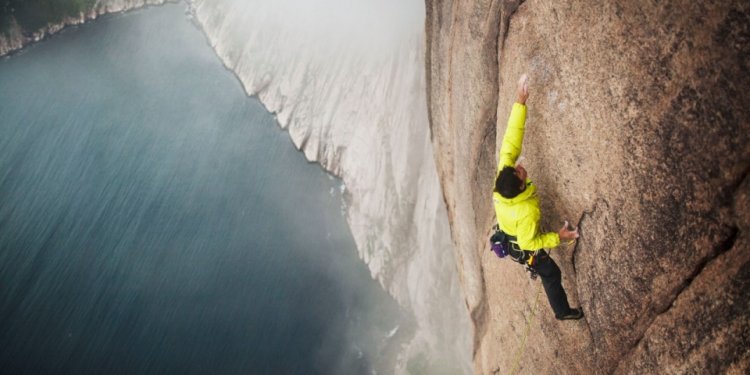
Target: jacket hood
[526,194]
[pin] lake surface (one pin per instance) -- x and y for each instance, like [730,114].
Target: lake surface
[155,220]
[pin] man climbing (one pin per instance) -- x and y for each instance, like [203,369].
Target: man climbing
[518,213]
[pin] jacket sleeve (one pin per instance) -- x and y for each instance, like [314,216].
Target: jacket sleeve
[529,237]
[513,138]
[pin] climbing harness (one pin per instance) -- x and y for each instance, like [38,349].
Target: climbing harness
[522,346]
[503,244]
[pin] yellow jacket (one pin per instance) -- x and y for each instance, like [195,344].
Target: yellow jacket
[519,216]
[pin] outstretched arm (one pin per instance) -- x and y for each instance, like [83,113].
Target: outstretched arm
[513,138]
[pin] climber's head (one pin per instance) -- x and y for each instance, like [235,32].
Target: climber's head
[511,181]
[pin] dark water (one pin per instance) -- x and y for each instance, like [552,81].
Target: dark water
[155,220]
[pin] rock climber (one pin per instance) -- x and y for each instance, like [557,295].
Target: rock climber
[518,213]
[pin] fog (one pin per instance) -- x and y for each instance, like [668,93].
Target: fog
[156,220]
[347,80]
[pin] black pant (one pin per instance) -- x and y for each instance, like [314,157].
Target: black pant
[552,282]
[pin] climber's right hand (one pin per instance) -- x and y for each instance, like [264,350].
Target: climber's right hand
[567,234]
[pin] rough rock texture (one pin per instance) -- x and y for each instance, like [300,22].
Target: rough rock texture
[638,131]
[17,37]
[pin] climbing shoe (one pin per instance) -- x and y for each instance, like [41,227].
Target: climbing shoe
[573,314]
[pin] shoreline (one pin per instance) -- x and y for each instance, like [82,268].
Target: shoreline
[15,40]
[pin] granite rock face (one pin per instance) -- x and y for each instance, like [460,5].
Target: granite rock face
[637,131]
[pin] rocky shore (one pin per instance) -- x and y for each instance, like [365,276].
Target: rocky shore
[15,38]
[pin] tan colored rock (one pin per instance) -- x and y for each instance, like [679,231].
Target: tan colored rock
[638,131]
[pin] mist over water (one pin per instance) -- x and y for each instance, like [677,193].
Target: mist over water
[153,219]
[347,80]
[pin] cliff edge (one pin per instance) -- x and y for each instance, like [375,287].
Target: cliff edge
[637,131]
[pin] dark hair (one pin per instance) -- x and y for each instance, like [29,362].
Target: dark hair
[507,183]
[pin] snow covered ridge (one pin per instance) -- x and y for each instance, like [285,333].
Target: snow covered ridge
[346,79]
[16,37]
